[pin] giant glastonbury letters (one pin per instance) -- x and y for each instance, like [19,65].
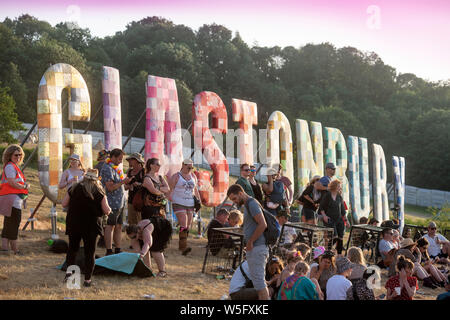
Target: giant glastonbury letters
[309,162]
[279,143]
[55,79]
[163,126]
[336,152]
[398,164]
[380,197]
[164,141]
[246,114]
[205,103]
[112,113]
[358,172]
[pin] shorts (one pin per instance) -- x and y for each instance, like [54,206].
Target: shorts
[440,255]
[115,217]
[11,224]
[257,260]
[309,214]
[245,294]
[178,208]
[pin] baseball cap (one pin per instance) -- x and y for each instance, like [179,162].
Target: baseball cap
[330,165]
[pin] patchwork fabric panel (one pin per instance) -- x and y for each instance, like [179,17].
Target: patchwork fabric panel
[398,165]
[309,153]
[205,103]
[336,152]
[279,143]
[112,114]
[50,153]
[380,201]
[163,126]
[358,173]
[245,113]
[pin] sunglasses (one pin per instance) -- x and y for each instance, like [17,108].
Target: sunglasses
[432,228]
[18,155]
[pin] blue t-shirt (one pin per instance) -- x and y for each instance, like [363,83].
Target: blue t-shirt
[250,224]
[115,198]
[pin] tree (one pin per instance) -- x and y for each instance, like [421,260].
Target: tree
[9,117]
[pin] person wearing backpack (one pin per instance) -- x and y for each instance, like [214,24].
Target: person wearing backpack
[275,192]
[257,251]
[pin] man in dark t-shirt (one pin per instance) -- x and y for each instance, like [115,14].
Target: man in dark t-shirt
[243,180]
[217,240]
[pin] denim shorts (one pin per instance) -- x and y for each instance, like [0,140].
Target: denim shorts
[257,260]
[115,217]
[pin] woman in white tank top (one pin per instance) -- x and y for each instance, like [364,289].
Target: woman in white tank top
[74,173]
[184,187]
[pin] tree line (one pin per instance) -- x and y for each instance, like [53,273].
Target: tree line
[344,88]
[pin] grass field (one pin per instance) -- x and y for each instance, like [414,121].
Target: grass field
[34,275]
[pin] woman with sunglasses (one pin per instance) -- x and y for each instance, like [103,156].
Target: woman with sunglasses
[154,211]
[73,174]
[184,188]
[13,192]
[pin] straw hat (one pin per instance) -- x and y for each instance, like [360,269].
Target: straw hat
[406,243]
[91,174]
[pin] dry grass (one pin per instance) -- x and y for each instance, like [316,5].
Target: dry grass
[34,275]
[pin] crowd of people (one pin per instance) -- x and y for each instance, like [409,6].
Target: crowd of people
[96,199]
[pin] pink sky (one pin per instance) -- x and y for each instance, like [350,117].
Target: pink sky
[413,35]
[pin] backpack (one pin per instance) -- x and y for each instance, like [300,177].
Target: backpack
[273,230]
[278,194]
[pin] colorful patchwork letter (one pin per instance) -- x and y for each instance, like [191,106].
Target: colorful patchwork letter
[163,126]
[204,103]
[309,162]
[82,146]
[380,197]
[57,78]
[245,113]
[358,172]
[112,114]
[398,166]
[336,152]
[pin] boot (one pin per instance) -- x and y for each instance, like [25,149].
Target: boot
[182,244]
[428,282]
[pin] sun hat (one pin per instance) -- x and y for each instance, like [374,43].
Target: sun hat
[343,264]
[136,156]
[406,243]
[91,174]
[188,161]
[271,171]
[75,157]
[318,252]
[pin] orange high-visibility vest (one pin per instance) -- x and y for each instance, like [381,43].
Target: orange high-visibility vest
[6,188]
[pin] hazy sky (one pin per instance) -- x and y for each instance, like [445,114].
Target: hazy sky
[410,35]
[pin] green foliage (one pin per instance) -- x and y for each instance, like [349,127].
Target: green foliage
[344,88]
[9,121]
[441,216]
